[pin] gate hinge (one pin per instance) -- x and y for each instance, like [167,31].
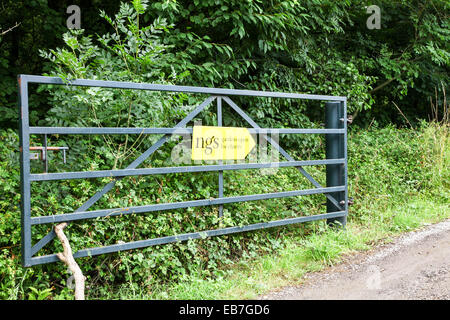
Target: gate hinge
[349,202]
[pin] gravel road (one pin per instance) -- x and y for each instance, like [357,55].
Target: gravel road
[415,266]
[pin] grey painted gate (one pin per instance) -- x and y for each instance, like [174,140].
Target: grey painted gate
[336,164]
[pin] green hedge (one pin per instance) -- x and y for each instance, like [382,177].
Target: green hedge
[385,164]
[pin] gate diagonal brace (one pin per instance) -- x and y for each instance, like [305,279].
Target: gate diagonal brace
[280,149]
[51,235]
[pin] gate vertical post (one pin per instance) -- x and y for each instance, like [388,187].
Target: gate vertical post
[219,124]
[45,153]
[334,149]
[25,185]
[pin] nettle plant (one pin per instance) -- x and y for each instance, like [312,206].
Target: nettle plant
[129,53]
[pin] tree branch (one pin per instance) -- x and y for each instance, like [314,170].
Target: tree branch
[382,85]
[6,31]
[67,257]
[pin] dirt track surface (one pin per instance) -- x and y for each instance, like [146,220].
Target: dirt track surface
[414,266]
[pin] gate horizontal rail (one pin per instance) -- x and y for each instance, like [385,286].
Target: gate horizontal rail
[174,131]
[177,205]
[183,169]
[172,88]
[336,163]
[188,236]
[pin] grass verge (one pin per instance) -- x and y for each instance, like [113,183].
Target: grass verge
[325,247]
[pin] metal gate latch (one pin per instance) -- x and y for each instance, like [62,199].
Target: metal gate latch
[42,154]
[349,119]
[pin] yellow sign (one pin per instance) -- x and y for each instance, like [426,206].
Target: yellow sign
[221,143]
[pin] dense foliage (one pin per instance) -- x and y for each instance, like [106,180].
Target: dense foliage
[316,46]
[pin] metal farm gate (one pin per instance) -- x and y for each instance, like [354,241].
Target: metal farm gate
[336,165]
